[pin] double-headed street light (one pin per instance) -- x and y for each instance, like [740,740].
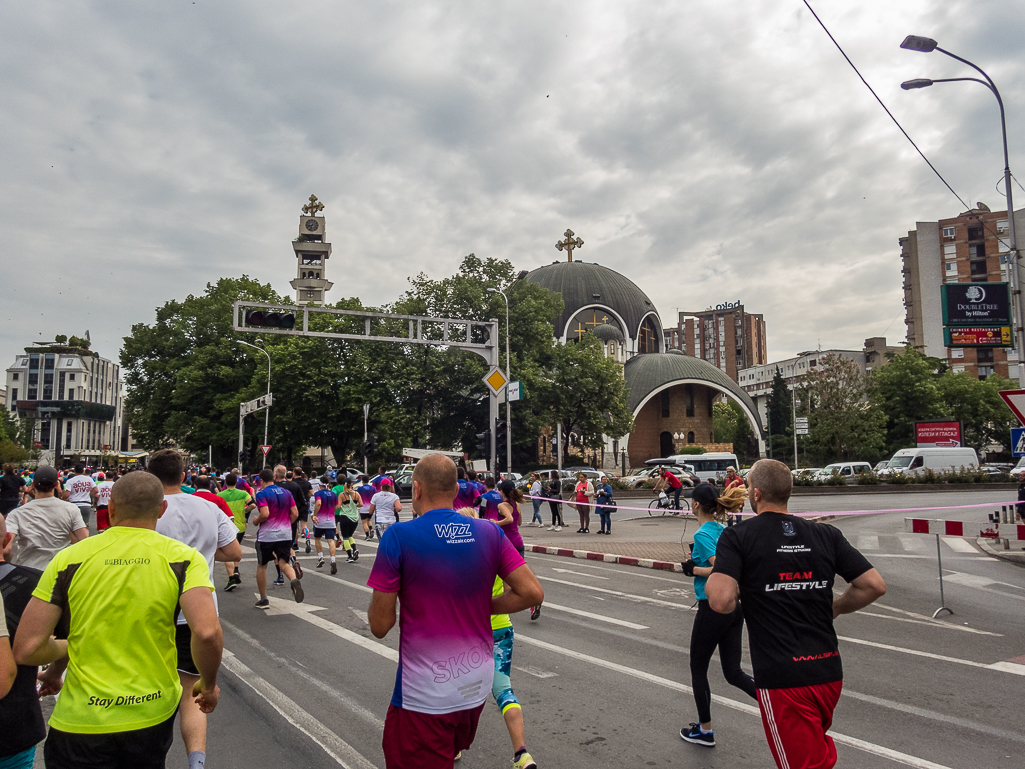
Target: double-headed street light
[266,411]
[927,45]
[508,376]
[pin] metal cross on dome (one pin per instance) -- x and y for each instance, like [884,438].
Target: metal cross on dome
[569,244]
[313,207]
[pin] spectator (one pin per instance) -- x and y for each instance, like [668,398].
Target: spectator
[605,504]
[141,578]
[782,568]
[441,566]
[535,500]
[45,525]
[554,492]
[583,495]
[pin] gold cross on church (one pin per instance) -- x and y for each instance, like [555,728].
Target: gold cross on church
[569,244]
[313,207]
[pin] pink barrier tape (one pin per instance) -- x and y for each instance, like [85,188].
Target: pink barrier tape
[805,514]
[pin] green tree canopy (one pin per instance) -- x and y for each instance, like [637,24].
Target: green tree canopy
[843,423]
[906,391]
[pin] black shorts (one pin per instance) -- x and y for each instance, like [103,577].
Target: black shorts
[143,748]
[183,644]
[266,552]
[364,516]
[347,526]
[240,536]
[319,533]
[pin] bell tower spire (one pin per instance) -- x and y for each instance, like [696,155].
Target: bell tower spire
[311,252]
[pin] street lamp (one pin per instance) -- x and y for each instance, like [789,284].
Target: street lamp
[266,411]
[508,376]
[927,45]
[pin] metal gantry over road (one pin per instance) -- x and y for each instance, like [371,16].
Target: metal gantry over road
[478,337]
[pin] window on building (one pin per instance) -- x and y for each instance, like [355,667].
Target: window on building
[984,355]
[979,270]
[690,437]
[71,377]
[949,251]
[33,360]
[948,232]
[14,397]
[977,251]
[951,268]
[15,376]
[958,369]
[33,393]
[33,379]
[67,436]
[1003,225]
[688,392]
[985,371]
[976,232]
[665,404]
[957,352]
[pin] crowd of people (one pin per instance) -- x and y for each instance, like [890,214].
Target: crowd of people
[123,625]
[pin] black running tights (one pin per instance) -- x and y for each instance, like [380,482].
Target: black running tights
[710,630]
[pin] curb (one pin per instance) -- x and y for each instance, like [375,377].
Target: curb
[1011,556]
[626,560]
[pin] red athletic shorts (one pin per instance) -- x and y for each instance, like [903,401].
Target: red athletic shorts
[415,740]
[102,519]
[796,721]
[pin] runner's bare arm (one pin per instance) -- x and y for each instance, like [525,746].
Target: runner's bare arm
[207,644]
[382,612]
[860,593]
[79,534]
[524,591]
[230,553]
[34,643]
[397,507]
[295,513]
[262,516]
[722,592]
[507,515]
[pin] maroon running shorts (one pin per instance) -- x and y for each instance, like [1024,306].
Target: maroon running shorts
[796,721]
[415,740]
[102,519]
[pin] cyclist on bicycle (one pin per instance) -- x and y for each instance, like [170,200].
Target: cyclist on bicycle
[671,484]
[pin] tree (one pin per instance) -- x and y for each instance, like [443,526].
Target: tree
[843,424]
[905,389]
[979,407]
[730,425]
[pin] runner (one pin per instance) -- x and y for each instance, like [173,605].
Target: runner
[277,512]
[445,641]
[467,494]
[366,494]
[325,503]
[347,519]
[501,688]
[11,489]
[385,507]
[103,499]
[194,521]
[241,504]
[378,480]
[45,525]
[286,479]
[140,578]
[205,489]
[712,630]
[487,505]
[300,480]
[81,492]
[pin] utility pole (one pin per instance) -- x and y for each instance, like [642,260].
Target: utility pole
[508,378]
[366,413]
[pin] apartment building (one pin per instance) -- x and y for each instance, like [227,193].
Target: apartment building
[726,336]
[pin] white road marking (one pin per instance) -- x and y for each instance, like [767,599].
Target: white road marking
[958,545]
[905,612]
[911,542]
[1000,666]
[868,747]
[578,573]
[611,620]
[626,571]
[919,619]
[361,614]
[628,596]
[342,752]
[304,611]
[976,582]
[868,542]
[536,672]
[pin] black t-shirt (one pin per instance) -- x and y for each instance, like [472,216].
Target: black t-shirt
[10,488]
[301,500]
[785,567]
[21,719]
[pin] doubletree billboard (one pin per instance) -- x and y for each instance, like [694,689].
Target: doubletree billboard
[976,304]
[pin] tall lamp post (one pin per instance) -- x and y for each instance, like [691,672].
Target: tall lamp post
[508,376]
[927,45]
[266,411]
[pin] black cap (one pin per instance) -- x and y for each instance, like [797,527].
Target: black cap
[46,474]
[705,494]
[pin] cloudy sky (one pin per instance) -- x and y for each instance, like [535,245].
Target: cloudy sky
[710,150]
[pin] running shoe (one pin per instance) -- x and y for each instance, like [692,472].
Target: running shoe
[231,584]
[551,528]
[263,603]
[558,528]
[697,737]
[535,611]
[320,563]
[334,567]
[298,569]
[525,761]
[459,755]
[297,591]
[308,547]
[280,580]
[350,559]
[355,555]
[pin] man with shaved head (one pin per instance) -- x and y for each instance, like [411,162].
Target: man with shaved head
[118,597]
[442,566]
[782,568]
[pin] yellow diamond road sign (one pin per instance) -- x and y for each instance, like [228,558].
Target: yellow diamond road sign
[495,380]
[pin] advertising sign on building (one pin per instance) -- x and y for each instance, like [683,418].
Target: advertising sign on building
[976,304]
[977,336]
[945,434]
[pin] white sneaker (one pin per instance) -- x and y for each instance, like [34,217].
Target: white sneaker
[558,528]
[551,528]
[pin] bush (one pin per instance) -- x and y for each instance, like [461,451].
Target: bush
[928,476]
[898,479]
[835,479]
[867,479]
[690,450]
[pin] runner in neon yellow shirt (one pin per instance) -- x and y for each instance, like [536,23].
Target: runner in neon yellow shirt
[118,597]
[241,503]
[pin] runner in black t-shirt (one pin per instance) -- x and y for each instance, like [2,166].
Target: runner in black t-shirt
[782,568]
[306,489]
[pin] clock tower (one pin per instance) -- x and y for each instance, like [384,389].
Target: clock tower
[311,252]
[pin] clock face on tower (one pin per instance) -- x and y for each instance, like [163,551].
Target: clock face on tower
[312,225]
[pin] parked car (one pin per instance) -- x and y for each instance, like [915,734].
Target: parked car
[639,477]
[404,484]
[1018,468]
[805,472]
[996,468]
[847,469]
[880,465]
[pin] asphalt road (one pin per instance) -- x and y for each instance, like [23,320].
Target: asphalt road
[603,675]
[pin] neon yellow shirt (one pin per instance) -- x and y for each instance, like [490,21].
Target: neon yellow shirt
[121,593]
[237,500]
[499,621]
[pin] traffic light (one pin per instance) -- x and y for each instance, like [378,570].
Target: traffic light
[270,319]
[484,443]
[369,446]
[500,431]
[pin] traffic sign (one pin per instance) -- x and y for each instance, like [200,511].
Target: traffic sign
[264,401]
[265,450]
[514,392]
[1018,441]
[1015,400]
[803,431]
[495,380]
[801,421]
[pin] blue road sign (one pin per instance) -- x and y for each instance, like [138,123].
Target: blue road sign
[1018,441]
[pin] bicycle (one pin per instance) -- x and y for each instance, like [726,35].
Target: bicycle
[664,504]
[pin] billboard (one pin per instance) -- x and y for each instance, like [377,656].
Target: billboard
[977,336]
[976,304]
[938,434]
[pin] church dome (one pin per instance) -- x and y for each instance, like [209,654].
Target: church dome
[607,332]
[595,295]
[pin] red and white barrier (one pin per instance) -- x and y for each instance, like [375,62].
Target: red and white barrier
[973,529]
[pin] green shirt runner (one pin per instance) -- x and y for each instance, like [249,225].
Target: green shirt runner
[237,500]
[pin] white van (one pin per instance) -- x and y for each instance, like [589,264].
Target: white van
[915,461]
[708,467]
[847,469]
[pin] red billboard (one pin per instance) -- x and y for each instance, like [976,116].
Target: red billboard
[938,434]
